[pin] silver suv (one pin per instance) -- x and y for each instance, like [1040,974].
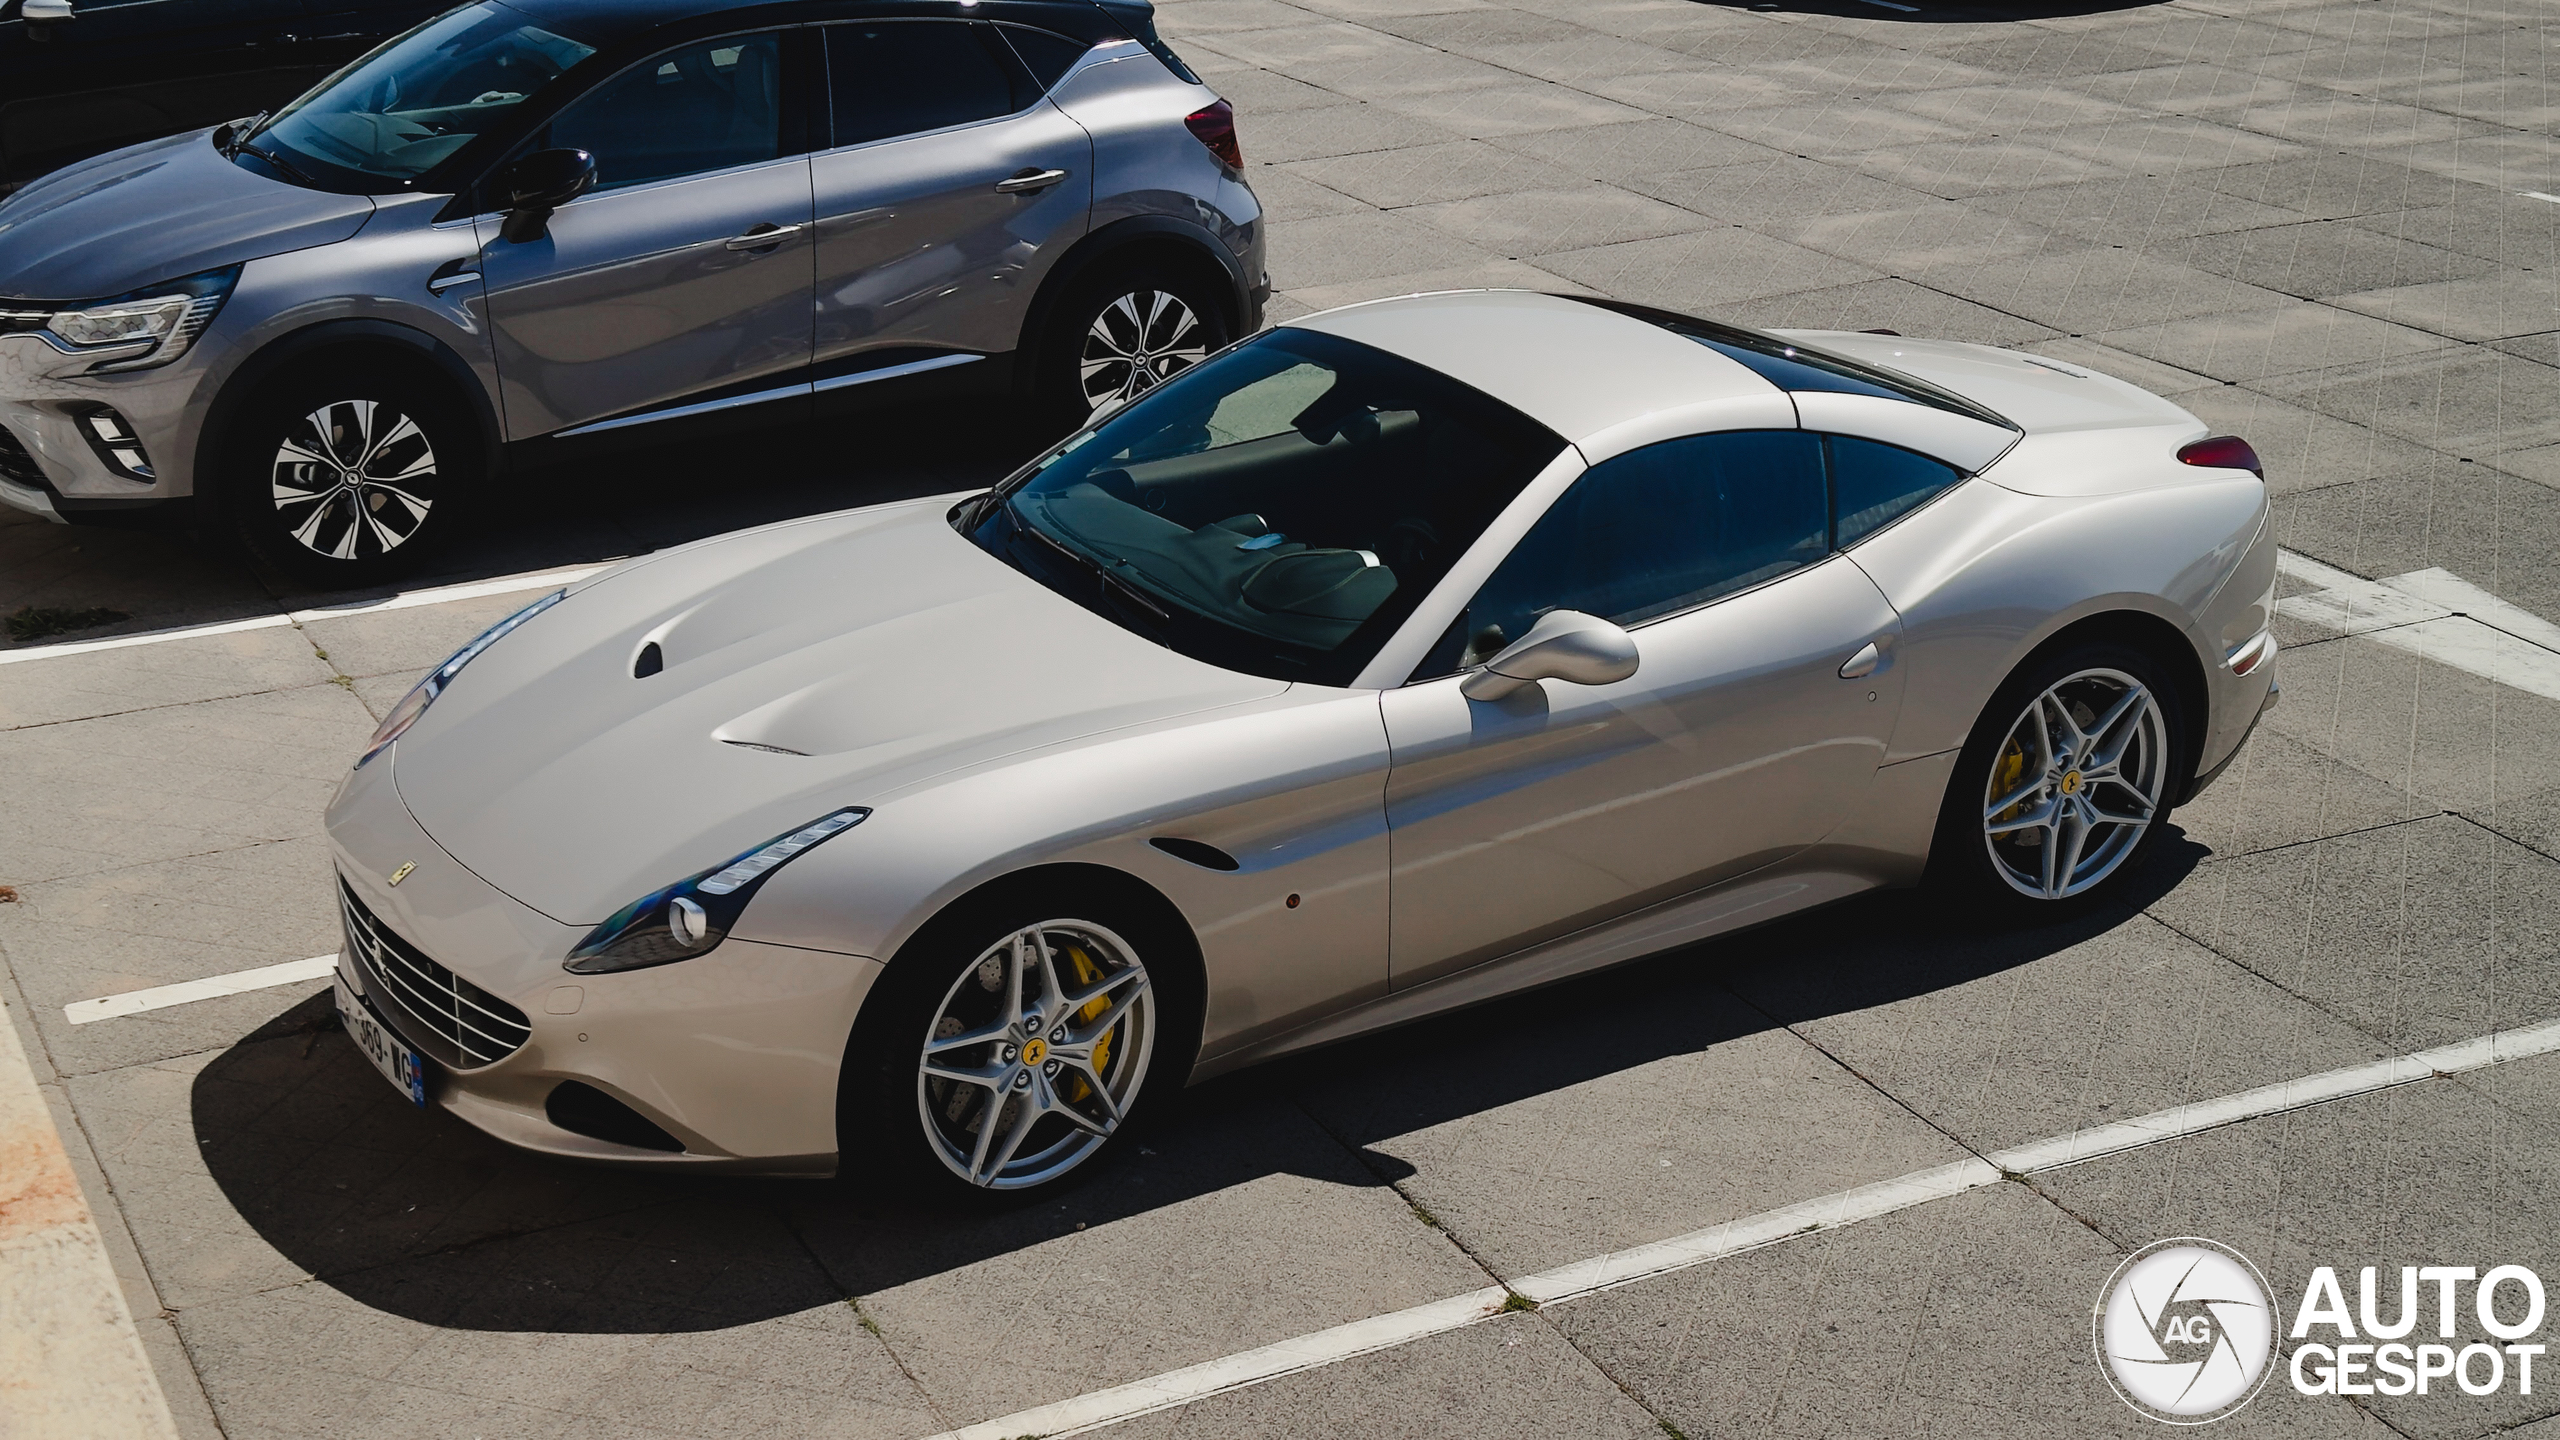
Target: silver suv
[535,226]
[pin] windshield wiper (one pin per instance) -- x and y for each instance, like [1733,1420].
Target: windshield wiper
[278,161]
[229,138]
[1119,588]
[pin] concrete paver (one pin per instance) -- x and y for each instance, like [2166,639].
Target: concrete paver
[2298,217]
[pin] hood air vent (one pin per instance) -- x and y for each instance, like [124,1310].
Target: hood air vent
[768,749]
[651,661]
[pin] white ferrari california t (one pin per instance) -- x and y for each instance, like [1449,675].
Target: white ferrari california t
[1402,656]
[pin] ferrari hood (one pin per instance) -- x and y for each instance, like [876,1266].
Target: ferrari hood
[801,667]
[156,212]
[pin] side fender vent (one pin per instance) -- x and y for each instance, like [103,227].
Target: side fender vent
[1207,857]
[651,661]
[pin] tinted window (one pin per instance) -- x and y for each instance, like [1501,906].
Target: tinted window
[1656,530]
[1874,484]
[1278,510]
[703,107]
[906,76]
[1049,56]
[395,114]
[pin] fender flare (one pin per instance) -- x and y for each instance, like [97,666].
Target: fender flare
[252,374]
[1101,246]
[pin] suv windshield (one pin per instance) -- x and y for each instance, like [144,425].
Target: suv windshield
[396,113]
[1279,510]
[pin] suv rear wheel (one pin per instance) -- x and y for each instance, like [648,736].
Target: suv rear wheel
[344,475]
[1122,333]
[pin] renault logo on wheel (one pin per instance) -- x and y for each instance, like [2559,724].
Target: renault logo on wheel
[2184,1331]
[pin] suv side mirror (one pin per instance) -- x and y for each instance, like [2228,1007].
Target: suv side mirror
[539,184]
[1563,645]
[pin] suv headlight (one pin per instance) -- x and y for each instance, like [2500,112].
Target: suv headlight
[693,915]
[167,317]
[424,693]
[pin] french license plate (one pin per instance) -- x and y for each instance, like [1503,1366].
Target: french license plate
[398,1063]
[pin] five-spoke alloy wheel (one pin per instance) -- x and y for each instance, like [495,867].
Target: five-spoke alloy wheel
[1036,1054]
[2066,781]
[2076,784]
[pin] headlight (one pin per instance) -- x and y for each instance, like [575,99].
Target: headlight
[168,318]
[424,693]
[693,915]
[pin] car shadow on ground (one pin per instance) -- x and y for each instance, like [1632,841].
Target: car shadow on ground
[413,1213]
[541,517]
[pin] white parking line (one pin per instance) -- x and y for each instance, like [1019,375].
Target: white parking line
[2433,613]
[161,997]
[438,595]
[1829,1212]
[2538,195]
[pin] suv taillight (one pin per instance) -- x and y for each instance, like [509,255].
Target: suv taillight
[2223,452]
[1215,127]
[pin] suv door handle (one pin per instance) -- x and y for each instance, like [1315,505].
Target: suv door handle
[764,237]
[1026,181]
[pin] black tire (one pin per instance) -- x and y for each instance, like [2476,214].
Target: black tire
[1129,307]
[347,473]
[893,1117]
[2002,876]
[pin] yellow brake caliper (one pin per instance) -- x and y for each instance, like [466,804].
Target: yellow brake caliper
[1086,973]
[2004,775]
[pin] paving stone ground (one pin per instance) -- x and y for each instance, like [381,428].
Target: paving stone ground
[2305,219]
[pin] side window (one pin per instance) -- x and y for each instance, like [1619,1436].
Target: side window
[1875,484]
[1656,530]
[1049,56]
[901,77]
[701,107]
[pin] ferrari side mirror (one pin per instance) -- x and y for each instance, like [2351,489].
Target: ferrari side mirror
[1564,645]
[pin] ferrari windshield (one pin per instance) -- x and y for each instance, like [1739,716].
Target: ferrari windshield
[398,112]
[1278,510]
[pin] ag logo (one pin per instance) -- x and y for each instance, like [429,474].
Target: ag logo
[2184,1331]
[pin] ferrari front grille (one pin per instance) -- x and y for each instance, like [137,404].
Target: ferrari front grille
[434,1009]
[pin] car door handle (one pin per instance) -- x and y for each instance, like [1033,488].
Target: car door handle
[764,237]
[450,274]
[1026,181]
[1862,664]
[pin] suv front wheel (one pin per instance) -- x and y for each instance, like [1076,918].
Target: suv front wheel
[343,476]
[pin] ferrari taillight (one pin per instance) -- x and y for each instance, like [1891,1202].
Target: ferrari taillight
[2223,452]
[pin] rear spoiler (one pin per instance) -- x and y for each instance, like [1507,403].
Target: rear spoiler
[1138,17]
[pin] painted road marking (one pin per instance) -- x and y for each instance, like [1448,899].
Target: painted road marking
[161,997]
[2538,195]
[2432,613]
[1829,1212]
[407,600]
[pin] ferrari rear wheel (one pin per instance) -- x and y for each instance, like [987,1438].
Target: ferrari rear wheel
[2076,785]
[2066,782]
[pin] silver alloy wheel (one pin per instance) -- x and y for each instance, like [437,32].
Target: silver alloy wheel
[353,479]
[1138,342]
[1036,1054]
[2075,784]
